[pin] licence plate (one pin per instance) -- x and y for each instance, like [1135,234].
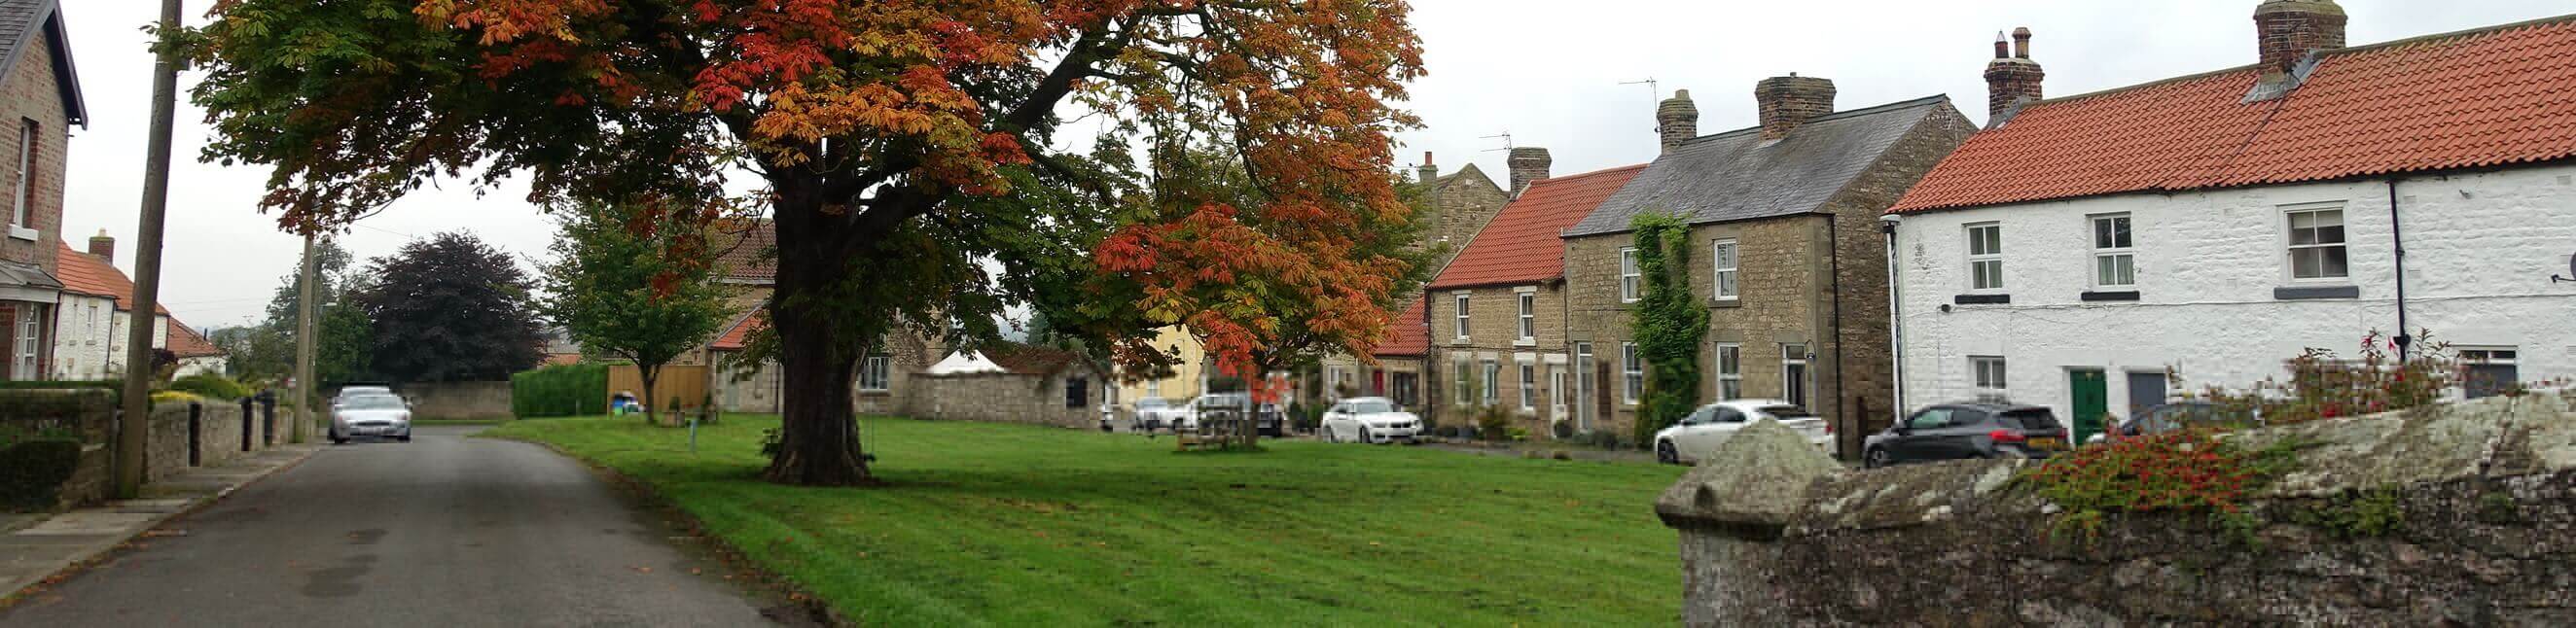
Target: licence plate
[2047,443]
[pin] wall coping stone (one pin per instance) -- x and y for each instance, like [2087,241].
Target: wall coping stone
[1757,491]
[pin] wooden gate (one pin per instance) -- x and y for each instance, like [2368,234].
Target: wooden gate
[687,383]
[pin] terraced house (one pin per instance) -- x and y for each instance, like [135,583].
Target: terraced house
[1498,312]
[1788,256]
[1458,206]
[2219,223]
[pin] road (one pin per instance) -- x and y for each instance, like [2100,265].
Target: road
[444,531]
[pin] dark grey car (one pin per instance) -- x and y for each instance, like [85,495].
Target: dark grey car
[1960,431]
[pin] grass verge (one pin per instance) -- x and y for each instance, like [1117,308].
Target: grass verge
[1018,525]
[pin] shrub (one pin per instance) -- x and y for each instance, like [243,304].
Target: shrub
[211,386]
[32,472]
[1493,422]
[2324,386]
[60,384]
[2181,471]
[560,390]
[1669,321]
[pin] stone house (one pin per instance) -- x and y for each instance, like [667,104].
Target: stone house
[1189,375]
[1498,314]
[743,387]
[2219,223]
[40,93]
[1786,251]
[1032,384]
[1458,205]
[89,326]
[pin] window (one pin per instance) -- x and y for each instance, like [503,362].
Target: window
[2316,244]
[2490,371]
[1634,367]
[1986,256]
[1722,256]
[1794,382]
[1462,315]
[1077,392]
[1529,386]
[1988,372]
[1493,383]
[1929,419]
[26,196]
[1730,372]
[1333,382]
[2114,260]
[1628,274]
[30,331]
[1529,317]
[875,373]
[1466,385]
[1401,386]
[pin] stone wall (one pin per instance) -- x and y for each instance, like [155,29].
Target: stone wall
[1493,325]
[2477,499]
[88,412]
[459,400]
[92,413]
[1003,398]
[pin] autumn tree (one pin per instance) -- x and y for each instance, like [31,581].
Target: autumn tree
[450,308]
[902,145]
[621,285]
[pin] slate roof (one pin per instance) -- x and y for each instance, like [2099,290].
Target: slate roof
[1737,175]
[83,273]
[20,21]
[1521,245]
[1412,334]
[2480,98]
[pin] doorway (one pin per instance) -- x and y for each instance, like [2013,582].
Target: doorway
[2090,397]
[1793,375]
[1583,387]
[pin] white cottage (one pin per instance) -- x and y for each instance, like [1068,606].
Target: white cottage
[2220,223]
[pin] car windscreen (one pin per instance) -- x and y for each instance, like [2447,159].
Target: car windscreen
[372,402]
[2028,419]
[1787,412]
[1153,402]
[1371,407]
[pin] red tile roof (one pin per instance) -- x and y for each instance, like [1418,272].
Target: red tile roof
[187,343]
[1412,336]
[748,259]
[2489,97]
[86,274]
[1026,359]
[1522,243]
[739,333]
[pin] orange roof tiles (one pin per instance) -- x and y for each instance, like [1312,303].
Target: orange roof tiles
[2496,96]
[187,343]
[739,333]
[747,259]
[1522,243]
[1412,334]
[86,274]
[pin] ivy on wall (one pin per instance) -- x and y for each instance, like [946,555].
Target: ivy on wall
[1670,324]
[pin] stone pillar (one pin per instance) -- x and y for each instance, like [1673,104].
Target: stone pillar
[1789,101]
[1731,517]
[2012,79]
[1676,120]
[2287,30]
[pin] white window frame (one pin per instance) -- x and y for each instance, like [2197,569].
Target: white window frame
[1799,380]
[876,374]
[1978,377]
[1493,382]
[1463,300]
[1993,256]
[1730,371]
[2291,247]
[1630,278]
[2120,255]
[1466,378]
[1724,280]
[1528,300]
[25,197]
[1632,371]
[1529,386]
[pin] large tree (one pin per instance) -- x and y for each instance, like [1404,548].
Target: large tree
[619,284]
[450,308]
[903,146]
[266,351]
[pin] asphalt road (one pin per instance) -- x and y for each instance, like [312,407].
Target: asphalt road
[444,531]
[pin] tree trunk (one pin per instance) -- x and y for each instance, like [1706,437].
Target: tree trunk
[648,372]
[818,435]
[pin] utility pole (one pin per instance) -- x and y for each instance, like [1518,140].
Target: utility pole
[134,427]
[305,395]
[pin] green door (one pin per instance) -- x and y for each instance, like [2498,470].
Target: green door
[2092,397]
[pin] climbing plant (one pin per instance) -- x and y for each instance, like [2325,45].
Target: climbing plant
[1670,323]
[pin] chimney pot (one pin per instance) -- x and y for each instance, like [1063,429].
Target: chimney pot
[1427,171]
[1789,101]
[2021,43]
[103,246]
[2011,81]
[2286,31]
[1676,120]
[2003,49]
[1528,165]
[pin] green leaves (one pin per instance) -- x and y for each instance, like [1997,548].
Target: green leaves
[1668,321]
[634,284]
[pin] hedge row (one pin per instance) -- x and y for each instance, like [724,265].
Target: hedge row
[32,472]
[211,386]
[561,390]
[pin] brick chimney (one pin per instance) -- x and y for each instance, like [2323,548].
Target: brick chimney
[2012,78]
[1677,120]
[1427,171]
[103,246]
[2287,30]
[1789,101]
[1528,165]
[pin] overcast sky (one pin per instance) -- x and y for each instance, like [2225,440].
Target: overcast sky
[1548,73]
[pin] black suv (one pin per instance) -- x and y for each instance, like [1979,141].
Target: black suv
[1958,431]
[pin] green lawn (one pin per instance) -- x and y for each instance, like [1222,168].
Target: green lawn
[1017,525]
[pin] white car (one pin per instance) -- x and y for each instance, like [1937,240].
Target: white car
[1691,440]
[1154,413]
[1368,420]
[378,416]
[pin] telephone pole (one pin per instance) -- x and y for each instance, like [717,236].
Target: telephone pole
[134,426]
[304,315]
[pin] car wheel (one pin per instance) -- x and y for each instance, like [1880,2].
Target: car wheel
[1329,436]
[1876,458]
[1664,453]
[1365,439]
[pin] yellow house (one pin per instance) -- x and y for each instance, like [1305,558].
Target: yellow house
[1189,373]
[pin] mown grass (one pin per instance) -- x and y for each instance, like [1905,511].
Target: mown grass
[1016,525]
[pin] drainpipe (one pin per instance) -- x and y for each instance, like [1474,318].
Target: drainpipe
[1895,315]
[1834,264]
[2397,240]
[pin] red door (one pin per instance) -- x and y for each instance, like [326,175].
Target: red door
[1377,383]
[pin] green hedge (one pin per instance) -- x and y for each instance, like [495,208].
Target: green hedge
[562,390]
[32,472]
[211,386]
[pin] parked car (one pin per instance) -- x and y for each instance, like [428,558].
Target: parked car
[1368,420]
[1957,431]
[1691,439]
[376,416]
[2176,416]
[1267,418]
[361,390]
[1154,413]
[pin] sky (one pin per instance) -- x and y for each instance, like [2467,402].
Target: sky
[1550,74]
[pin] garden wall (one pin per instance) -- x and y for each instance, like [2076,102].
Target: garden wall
[2448,515]
[87,412]
[999,398]
[458,400]
[219,436]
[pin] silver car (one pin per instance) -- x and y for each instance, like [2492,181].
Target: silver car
[370,416]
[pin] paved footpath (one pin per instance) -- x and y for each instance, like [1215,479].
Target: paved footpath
[444,531]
